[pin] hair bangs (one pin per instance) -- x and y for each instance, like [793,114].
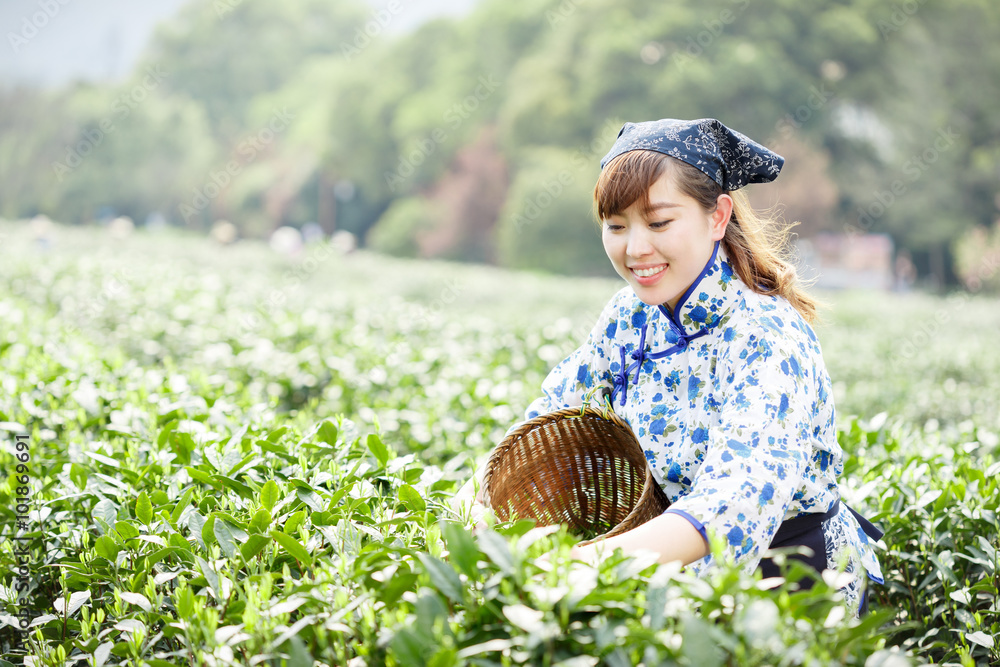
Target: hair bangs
[626,180]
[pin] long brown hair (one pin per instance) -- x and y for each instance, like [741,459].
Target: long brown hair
[755,245]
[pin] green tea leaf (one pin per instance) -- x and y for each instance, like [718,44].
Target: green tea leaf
[377,448]
[211,576]
[280,451]
[496,548]
[697,646]
[231,519]
[980,638]
[254,545]
[107,511]
[183,444]
[293,522]
[292,546]
[78,475]
[208,530]
[106,548]
[269,494]
[178,540]
[164,435]
[101,654]
[203,477]
[524,617]
[656,603]
[228,536]
[519,528]
[76,601]
[430,608]
[196,524]
[327,433]
[447,656]
[397,585]
[104,529]
[106,460]
[230,460]
[443,577]
[298,655]
[461,548]
[126,530]
[185,602]
[137,599]
[239,487]
[410,647]
[160,554]
[410,497]
[261,521]
[181,505]
[490,646]
[310,498]
[143,509]
[246,460]
[927,498]
[236,441]
[130,625]
[350,538]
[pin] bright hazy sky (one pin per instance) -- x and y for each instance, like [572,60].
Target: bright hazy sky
[102,39]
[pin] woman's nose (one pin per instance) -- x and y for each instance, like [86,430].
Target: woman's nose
[638,243]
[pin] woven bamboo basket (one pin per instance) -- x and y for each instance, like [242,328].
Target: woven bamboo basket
[576,466]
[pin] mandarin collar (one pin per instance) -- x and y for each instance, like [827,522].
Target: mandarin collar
[707,302]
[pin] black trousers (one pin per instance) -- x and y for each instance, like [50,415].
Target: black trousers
[808,531]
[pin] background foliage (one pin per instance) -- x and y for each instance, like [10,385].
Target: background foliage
[885,109]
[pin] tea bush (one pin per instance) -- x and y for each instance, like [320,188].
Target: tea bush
[237,458]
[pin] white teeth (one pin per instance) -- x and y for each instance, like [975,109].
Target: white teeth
[646,273]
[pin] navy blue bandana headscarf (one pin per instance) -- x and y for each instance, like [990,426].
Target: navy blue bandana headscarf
[726,156]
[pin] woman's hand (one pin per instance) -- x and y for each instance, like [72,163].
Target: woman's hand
[670,536]
[590,554]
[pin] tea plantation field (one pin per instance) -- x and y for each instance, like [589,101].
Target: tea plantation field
[224,456]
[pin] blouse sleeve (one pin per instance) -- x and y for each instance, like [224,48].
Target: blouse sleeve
[583,373]
[757,455]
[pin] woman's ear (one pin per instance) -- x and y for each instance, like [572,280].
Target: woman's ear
[720,217]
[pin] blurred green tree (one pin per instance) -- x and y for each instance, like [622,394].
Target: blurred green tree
[127,150]
[548,221]
[400,229]
[225,53]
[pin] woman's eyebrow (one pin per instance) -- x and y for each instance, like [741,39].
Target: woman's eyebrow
[662,204]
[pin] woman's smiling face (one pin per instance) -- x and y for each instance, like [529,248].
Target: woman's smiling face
[660,254]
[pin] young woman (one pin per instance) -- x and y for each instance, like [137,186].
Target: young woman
[709,356]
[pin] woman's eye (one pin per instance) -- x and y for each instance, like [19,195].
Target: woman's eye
[613,228]
[660,224]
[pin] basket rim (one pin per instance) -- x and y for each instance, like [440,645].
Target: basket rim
[585,410]
[541,420]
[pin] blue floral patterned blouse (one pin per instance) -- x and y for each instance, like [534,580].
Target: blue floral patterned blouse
[732,403]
